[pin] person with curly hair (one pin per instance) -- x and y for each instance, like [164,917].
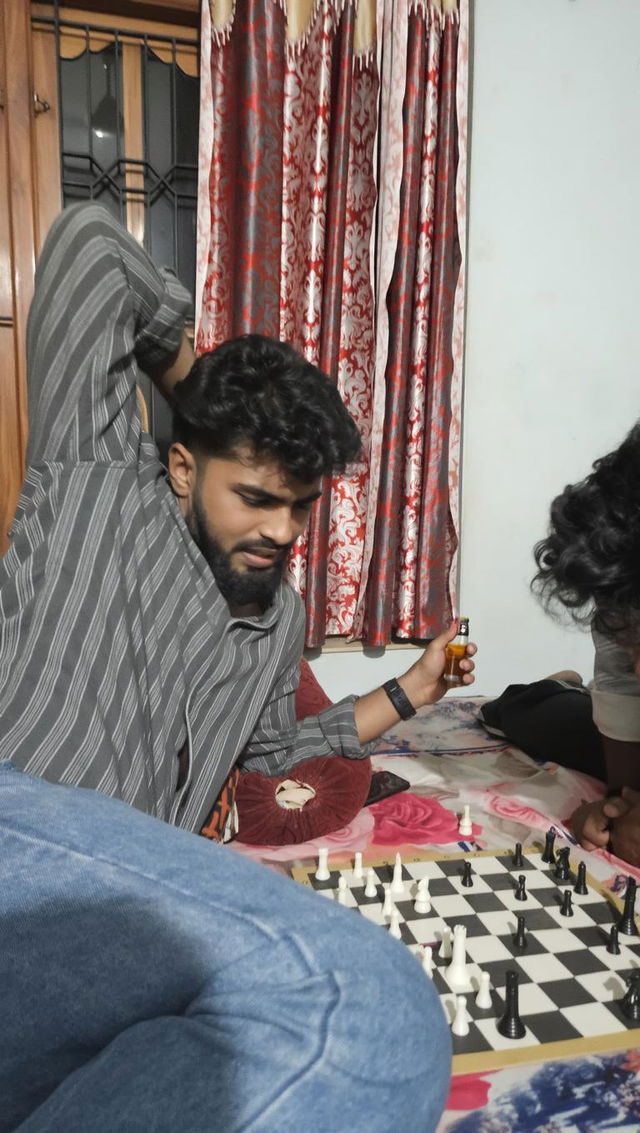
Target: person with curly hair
[589,564]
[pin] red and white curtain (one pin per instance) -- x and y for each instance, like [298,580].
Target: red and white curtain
[331,214]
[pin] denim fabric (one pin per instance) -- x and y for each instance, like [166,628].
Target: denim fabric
[154,981]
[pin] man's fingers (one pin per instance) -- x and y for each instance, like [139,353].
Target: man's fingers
[630,795]
[616,807]
[446,636]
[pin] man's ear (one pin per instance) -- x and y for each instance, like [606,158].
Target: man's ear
[182,472]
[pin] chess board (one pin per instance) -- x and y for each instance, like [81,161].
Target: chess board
[570,986]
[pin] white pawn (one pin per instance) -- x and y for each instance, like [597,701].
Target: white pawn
[465,827]
[427,960]
[394,925]
[422,903]
[483,998]
[342,890]
[358,873]
[460,1025]
[397,885]
[388,902]
[445,944]
[322,872]
[370,889]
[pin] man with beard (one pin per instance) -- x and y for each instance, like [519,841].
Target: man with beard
[149,643]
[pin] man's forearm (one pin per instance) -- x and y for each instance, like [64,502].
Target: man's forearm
[174,369]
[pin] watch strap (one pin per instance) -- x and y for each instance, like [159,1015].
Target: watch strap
[399,699]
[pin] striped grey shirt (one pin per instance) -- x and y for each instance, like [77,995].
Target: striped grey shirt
[116,646]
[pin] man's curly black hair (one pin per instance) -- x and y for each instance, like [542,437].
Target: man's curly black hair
[590,561]
[258,393]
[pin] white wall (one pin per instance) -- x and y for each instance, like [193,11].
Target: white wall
[551,375]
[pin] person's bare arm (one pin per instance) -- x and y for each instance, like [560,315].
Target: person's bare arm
[593,823]
[423,684]
[174,368]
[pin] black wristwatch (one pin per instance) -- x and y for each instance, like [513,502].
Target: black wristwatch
[399,699]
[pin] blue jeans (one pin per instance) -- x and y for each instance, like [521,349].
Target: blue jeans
[152,981]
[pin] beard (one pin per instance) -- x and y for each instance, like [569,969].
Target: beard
[238,588]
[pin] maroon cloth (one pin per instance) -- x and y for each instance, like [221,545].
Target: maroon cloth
[341,786]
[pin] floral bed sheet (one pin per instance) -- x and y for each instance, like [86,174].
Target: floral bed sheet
[450,760]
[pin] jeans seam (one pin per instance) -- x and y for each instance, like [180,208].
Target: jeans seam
[163,883]
[299,1076]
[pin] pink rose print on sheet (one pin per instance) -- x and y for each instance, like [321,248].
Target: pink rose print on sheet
[468,1092]
[408,818]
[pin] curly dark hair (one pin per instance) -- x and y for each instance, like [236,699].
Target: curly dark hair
[590,561]
[259,393]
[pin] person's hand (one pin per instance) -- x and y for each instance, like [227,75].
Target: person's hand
[424,682]
[591,822]
[625,829]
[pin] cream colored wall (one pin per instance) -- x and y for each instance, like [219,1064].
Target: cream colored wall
[551,371]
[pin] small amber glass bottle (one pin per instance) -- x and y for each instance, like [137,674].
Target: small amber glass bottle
[454,653]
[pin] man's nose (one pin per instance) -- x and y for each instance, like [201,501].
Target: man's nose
[279,527]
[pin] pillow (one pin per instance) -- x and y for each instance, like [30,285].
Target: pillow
[314,798]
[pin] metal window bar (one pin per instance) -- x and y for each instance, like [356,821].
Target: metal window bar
[154,183]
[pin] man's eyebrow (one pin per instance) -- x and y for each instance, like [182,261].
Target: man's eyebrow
[271,498]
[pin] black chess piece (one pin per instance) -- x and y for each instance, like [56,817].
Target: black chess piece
[580,886]
[613,946]
[467,876]
[518,860]
[511,1025]
[562,871]
[630,1003]
[520,939]
[521,892]
[627,923]
[566,909]
[548,854]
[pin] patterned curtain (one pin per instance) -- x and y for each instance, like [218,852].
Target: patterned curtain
[330,198]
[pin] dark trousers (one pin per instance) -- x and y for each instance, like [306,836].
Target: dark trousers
[549,719]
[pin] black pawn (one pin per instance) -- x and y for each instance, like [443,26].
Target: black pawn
[630,1004]
[467,878]
[612,943]
[518,860]
[580,886]
[521,892]
[548,854]
[511,1025]
[566,909]
[520,939]
[562,872]
[627,923]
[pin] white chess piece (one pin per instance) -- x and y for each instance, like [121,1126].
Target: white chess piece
[422,903]
[465,827]
[397,885]
[322,872]
[342,890]
[460,1025]
[394,925]
[483,998]
[445,944]
[358,872]
[427,960]
[457,972]
[388,902]
[371,889]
